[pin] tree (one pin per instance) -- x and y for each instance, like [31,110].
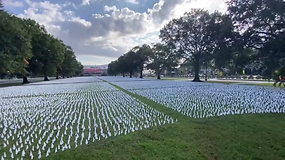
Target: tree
[273,56]
[192,35]
[131,62]
[69,64]
[122,66]
[26,48]
[142,56]
[15,47]
[35,31]
[241,59]
[79,69]
[113,68]
[162,58]
[257,20]
[262,26]
[1,5]
[228,42]
[48,55]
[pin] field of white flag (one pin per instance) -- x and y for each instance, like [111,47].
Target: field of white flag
[45,118]
[202,100]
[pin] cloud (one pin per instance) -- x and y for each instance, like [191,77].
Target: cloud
[110,8]
[46,13]
[133,1]
[85,2]
[210,5]
[106,36]
[163,10]
[11,3]
[81,21]
[68,4]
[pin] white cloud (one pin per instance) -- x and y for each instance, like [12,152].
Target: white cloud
[163,10]
[107,36]
[85,2]
[110,8]
[67,4]
[210,5]
[11,3]
[81,21]
[133,1]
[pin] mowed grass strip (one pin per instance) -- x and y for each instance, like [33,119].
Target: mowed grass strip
[259,136]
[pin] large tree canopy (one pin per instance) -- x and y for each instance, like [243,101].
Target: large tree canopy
[258,20]
[162,58]
[262,26]
[69,66]
[142,54]
[195,36]
[131,62]
[27,49]
[15,47]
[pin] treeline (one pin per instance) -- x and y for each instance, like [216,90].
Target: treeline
[26,49]
[158,58]
[250,36]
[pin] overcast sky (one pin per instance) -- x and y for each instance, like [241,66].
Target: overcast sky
[99,31]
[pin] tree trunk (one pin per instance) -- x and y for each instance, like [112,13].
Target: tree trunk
[197,70]
[158,76]
[25,80]
[131,75]
[46,78]
[206,76]
[141,76]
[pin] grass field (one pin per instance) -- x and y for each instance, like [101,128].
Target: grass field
[235,137]
[247,136]
[259,136]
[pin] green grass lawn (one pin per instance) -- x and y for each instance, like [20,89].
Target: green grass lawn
[10,84]
[260,136]
[270,85]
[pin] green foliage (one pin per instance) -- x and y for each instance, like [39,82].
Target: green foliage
[130,62]
[1,5]
[196,35]
[162,58]
[262,24]
[273,56]
[258,20]
[69,67]
[249,36]
[15,47]
[142,54]
[26,48]
[113,68]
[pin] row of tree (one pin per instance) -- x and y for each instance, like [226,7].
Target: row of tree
[250,35]
[26,49]
[158,58]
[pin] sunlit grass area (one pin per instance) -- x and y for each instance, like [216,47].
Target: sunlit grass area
[250,136]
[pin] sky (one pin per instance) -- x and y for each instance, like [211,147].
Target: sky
[99,31]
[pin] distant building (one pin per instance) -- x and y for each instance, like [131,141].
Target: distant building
[92,70]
